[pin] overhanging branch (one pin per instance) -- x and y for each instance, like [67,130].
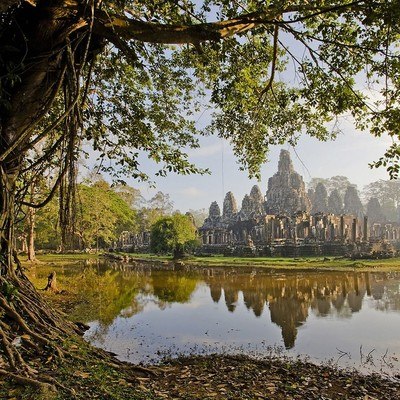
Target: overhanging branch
[111,25]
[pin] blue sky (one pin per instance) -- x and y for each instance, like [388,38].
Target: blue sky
[348,155]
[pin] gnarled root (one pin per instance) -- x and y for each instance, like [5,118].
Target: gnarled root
[29,329]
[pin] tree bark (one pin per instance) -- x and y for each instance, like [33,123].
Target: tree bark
[7,218]
[52,283]
[31,234]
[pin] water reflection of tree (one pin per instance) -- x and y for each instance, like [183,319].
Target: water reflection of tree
[172,288]
[104,293]
[291,296]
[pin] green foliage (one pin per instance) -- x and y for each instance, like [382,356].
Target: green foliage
[150,102]
[103,215]
[174,288]
[9,291]
[172,234]
[47,229]
[102,295]
[275,70]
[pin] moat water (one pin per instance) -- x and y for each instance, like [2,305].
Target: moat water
[145,313]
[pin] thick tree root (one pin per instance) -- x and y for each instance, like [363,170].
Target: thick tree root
[29,330]
[32,333]
[24,380]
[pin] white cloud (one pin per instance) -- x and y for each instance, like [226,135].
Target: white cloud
[192,192]
[212,146]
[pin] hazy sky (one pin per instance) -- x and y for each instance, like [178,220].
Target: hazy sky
[348,155]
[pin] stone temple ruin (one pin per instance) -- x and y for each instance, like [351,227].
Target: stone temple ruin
[281,223]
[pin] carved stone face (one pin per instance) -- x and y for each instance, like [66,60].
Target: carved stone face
[285,163]
[286,189]
[230,206]
[214,211]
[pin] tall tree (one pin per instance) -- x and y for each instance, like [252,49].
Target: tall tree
[172,234]
[160,205]
[199,216]
[374,210]
[102,216]
[388,194]
[338,182]
[124,77]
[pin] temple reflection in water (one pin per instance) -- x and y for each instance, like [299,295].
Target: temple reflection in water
[291,297]
[286,299]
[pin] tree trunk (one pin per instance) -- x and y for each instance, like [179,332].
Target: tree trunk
[24,316]
[52,283]
[31,234]
[7,218]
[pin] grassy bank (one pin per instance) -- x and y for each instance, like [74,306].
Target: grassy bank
[300,263]
[305,263]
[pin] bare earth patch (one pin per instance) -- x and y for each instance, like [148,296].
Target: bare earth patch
[238,377]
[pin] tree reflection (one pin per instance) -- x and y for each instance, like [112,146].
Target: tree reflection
[102,295]
[287,299]
[172,288]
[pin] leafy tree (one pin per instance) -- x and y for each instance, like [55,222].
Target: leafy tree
[199,216]
[127,77]
[388,195]
[130,195]
[338,182]
[312,185]
[102,216]
[157,207]
[374,210]
[162,203]
[47,228]
[172,234]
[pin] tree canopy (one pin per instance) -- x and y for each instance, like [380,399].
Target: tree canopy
[172,234]
[126,80]
[132,89]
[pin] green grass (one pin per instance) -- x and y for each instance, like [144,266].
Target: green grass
[64,258]
[322,263]
[301,263]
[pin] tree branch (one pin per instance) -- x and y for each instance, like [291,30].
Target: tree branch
[110,25]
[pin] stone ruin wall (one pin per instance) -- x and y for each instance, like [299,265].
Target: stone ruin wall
[282,224]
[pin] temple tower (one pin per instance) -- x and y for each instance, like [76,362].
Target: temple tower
[230,206]
[286,192]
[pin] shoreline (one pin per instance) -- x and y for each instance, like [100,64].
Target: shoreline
[285,264]
[202,377]
[320,264]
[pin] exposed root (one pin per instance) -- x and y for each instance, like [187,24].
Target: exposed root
[32,338]
[24,380]
[52,381]
[29,330]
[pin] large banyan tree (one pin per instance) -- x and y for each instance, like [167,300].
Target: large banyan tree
[126,78]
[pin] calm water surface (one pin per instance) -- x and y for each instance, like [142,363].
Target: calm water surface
[143,314]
